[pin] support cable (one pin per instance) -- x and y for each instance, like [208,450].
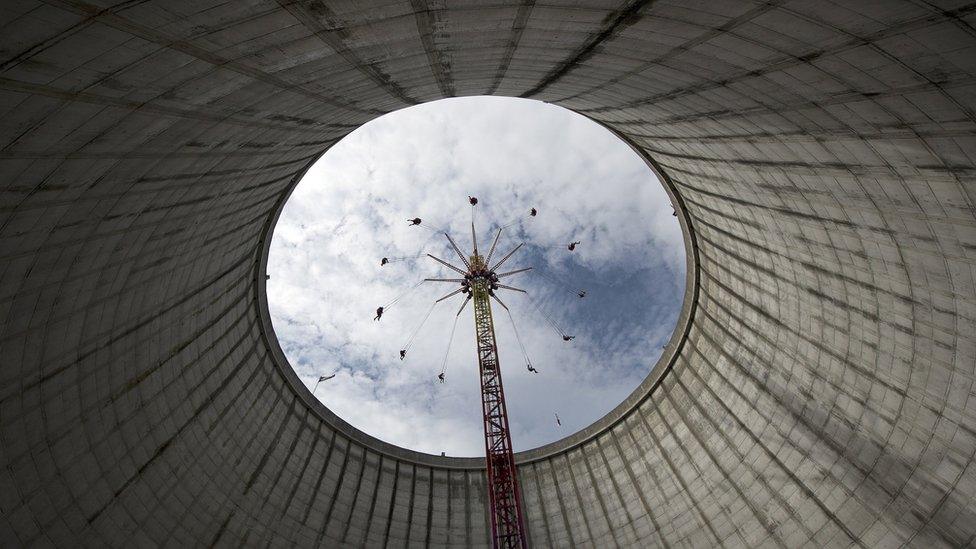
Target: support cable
[404,258]
[403,295]
[559,246]
[512,221]
[413,336]
[450,340]
[548,318]
[431,228]
[418,255]
[525,355]
[559,283]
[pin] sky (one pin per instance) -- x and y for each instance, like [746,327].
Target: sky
[351,209]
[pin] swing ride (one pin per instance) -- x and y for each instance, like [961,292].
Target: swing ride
[479,281]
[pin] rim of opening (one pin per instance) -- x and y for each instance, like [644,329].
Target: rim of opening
[608,421]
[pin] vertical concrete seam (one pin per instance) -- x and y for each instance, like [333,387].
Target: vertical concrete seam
[542,503]
[676,476]
[272,445]
[599,495]
[301,475]
[562,505]
[334,498]
[430,505]
[615,21]
[439,61]
[613,480]
[410,502]
[372,501]
[579,499]
[355,497]
[519,23]
[716,462]
[707,482]
[637,487]
[335,38]
[155,36]
[393,496]
[318,483]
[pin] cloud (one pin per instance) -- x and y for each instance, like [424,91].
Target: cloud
[351,209]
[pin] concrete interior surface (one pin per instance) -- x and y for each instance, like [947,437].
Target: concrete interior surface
[823,154]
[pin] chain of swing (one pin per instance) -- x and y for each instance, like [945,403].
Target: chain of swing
[536,306]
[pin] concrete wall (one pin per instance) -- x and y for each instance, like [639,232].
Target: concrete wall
[823,152]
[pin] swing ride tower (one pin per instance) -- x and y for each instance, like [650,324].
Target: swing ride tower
[503,489]
[479,284]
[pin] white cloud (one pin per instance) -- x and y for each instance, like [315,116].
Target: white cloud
[351,209]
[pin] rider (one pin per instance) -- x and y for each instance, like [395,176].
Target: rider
[414,221]
[379,313]
[572,245]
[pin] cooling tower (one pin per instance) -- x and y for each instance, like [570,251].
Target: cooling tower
[818,391]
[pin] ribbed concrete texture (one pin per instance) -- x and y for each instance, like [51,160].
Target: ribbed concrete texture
[821,393]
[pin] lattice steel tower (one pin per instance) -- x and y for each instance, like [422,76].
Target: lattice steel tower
[480,282]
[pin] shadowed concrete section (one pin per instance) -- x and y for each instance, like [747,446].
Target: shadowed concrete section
[819,390]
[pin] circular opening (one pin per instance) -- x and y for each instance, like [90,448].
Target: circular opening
[326,274]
